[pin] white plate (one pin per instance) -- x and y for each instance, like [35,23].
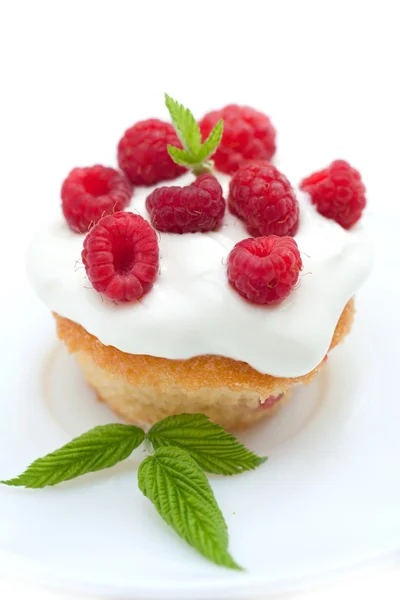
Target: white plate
[327,498]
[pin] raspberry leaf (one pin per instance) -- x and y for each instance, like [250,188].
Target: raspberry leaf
[181,157]
[185,125]
[97,449]
[214,450]
[180,492]
[212,142]
[194,154]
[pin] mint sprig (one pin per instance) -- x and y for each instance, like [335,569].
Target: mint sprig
[172,478]
[180,491]
[195,154]
[215,450]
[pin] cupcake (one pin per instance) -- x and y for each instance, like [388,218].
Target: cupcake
[213,292]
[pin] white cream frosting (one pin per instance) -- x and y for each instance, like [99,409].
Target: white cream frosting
[192,310]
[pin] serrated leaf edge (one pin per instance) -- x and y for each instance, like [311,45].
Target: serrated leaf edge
[204,460]
[185,125]
[209,147]
[67,453]
[168,517]
[195,160]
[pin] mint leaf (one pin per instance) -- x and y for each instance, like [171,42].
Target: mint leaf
[212,142]
[180,491]
[185,125]
[194,154]
[215,450]
[97,449]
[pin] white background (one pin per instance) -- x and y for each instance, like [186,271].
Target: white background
[76,74]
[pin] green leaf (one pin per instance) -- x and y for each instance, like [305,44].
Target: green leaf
[180,491]
[185,124]
[181,157]
[97,449]
[212,142]
[194,154]
[215,450]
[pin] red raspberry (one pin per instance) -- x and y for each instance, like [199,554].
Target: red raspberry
[143,153]
[261,196]
[338,192]
[90,193]
[196,207]
[248,134]
[263,270]
[120,255]
[270,401]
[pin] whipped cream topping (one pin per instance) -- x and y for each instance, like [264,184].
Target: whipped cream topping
[192,310]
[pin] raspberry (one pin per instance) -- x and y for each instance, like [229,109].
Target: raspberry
[196,207]
[143,153]
[338,193]
[261,196]
[90,193]
[270,401]
[248,134]
[263,270]
[120,255]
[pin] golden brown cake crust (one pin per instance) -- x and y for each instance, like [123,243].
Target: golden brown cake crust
[189,375]
[144,389]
